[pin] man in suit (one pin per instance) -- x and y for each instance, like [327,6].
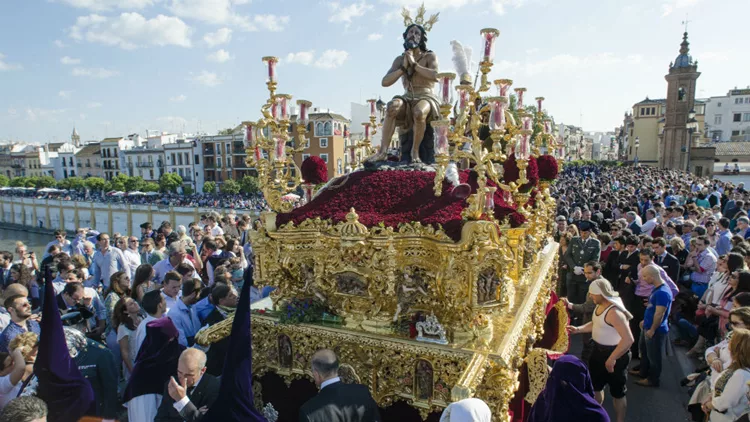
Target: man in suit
[666,260]
[336,401]
[633,222]
[225,299]
[149,254]
[189,399]
[581,250]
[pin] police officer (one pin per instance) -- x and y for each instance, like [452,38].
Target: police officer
[98,366]
[581,250]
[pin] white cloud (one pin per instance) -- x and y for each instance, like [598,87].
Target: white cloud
[221,36]
[34,114]
[178,99]
[716,56]
[673,5]
[64,94]
[12,113]
[8,66]
[345,13]
[222,12]
[103,5]
[94,105]
[59,44]
[82,116]
[303,57]
[207,78]
[94,72]
[498,6]
[374,37]
[220,56]
[131,30]
[565,63]
[331,59]
[69,60]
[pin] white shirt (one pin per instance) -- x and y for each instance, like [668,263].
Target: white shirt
[132,260]
[326,383]
[733,400]
[171,301]
[140,334]
[8,391]
[164,266]
[217,231]
[648,226]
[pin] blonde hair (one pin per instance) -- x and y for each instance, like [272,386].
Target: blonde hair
[739,348]
[677,243]
[26,341]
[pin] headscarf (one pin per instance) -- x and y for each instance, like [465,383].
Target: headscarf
[156,361]
[568,395]
[234,403]
[67,393]
[602,287]
[467,410]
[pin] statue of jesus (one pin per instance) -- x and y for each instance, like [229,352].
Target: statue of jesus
[417,69]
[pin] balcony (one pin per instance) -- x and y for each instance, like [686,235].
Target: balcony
[187,178]
[160,164]
[238,148]
[97,165]
[144,165]
[208,151]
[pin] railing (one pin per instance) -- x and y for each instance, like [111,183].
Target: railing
[146,164]
[209,151]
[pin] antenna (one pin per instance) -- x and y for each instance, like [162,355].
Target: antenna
[686,22]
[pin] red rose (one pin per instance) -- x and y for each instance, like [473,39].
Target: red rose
[547,167]
[314,170]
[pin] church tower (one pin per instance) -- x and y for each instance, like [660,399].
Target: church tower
[681,81]
[75,138]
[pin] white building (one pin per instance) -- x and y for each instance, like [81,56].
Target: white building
[184,158]
[66,165]
[728,116]
[146,159]
[113,161]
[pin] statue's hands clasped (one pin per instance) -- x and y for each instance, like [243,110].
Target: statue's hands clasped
[409,59]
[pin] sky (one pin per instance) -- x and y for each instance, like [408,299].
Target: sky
[115,67]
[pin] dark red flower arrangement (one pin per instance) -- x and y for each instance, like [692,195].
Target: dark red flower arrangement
[510,172]
[314,170]
[392,198]
[547,167]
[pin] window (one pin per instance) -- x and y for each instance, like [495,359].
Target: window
[339,166]
[197,159]
[324,142]
[718,104]
[327,129]
[681,93]
[717,119]
[716,135]
[319,129]
[179,159]
[229,162]
[187,159]
[180,172]
[738,100]
[150,159]
[745,118]
[174,160]
[737,117]
[324,157]
[305,156]
[747,100]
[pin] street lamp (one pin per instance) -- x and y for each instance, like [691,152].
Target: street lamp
[637,144]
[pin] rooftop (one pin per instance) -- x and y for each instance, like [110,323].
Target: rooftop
[732,148]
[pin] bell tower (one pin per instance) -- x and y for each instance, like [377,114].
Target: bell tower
[75,138]
[676,139]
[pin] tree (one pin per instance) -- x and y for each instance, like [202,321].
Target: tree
[45,182]
[230,186]
[134,184]
[227,131]
[95,183]
[4,181]
[169,182]
[120,182]
[31,182]
[187,190]
[76,183]
[151,187]
[209,187]
[18,182]
[249,184]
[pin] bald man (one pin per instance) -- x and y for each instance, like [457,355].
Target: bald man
[336,401]
[188,396]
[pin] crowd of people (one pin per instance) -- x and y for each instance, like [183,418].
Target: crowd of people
[246,202]
[649,257]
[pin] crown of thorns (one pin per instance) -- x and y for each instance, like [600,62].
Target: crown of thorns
[419,20]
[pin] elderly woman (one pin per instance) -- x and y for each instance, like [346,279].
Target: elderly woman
[467,410]
[729,399]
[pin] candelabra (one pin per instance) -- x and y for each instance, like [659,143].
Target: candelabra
[363,147]
[269,143]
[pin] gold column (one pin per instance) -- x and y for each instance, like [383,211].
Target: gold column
[93,216]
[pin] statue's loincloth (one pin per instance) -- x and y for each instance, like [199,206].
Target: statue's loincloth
[410,100]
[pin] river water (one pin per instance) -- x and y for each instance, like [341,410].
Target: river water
[34,241]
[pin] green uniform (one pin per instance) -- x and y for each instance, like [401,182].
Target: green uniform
[98,366]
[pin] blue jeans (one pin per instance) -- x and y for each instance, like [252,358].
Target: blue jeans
[687,330]
[651,355]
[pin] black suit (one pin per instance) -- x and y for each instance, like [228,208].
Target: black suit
[204,394]
[339,402]
[671,266]
[218,351]
[635,228]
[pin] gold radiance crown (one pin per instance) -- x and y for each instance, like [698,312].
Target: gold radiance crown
[427,25]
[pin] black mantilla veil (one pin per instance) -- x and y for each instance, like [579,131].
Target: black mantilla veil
[422,40]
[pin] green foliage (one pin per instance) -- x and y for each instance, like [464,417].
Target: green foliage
[150,187]
[133,184]
[187,190]
[4,181]
[230,187]
[18,182]
[227,131]
[45,182]
[209,187]
[169,182]
[95,183]
[31,182]
[72,183]
[249,184]
[108,187]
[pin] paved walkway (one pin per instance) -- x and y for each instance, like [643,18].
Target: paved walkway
[668,403]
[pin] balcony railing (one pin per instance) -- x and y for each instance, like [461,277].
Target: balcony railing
[208,151]
[187,178]
[146,164]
